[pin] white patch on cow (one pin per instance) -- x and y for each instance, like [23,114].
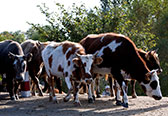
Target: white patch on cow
[125,75]
[88,59]
[68,82]
[149,91]
[102,38]
[113,46]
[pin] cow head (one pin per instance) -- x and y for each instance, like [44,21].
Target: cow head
[153,61]
[151,85]
[20,64]
[85,63]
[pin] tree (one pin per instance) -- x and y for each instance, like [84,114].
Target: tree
[16,36]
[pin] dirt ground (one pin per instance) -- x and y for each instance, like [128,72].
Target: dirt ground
[105,106]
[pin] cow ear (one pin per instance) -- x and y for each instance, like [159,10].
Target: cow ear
[28,57]
[147,55]
[11,56]
[98,60]
[76,61]
[147,78]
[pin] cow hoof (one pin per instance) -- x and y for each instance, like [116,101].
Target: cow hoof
[94,98]
[33,94]
[66,100]
[17,97]
[90,100]
[13,98]
[77,104]
[40,94]
[56,102]
[98,96]
[125,105]
[112,95]
[134,96]
[118,103]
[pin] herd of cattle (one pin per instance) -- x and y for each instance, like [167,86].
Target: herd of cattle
[93,57]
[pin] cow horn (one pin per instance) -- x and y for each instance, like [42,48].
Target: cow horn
[11,55]
[156,50]
[78,55]
[96,53]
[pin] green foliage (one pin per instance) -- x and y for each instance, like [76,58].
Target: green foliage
[16,36]
[77,22]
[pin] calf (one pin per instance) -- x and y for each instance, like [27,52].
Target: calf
[120,54]
[69,60]
[13,63]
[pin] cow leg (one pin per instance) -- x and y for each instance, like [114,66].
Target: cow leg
[16,91]
[134,95]
[59,84]
[97,82]
[126,88]
[69,85]
[110,79]
[117,93]
[76,94]
[33,89]
[36,81]
[46,84]
[51,90]
[117,75]
[90,95]
[10,87]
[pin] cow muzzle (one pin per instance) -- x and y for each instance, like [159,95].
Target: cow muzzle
[157,97]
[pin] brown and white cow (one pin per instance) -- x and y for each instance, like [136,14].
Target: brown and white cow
[119,54]
[36,64]
[69,60]
[36,67]
[13,64]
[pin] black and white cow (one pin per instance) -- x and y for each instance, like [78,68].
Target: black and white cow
[120,55]
[13,64]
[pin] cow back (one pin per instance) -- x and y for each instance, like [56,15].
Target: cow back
[117,51]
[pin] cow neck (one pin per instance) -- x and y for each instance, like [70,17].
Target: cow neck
[139,72]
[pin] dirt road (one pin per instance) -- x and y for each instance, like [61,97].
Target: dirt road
[40,106]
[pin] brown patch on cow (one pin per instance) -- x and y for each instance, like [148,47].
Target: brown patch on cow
[50,61]
[60,69]
[69,63]
[67,45]
[74,47]
[84,64]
